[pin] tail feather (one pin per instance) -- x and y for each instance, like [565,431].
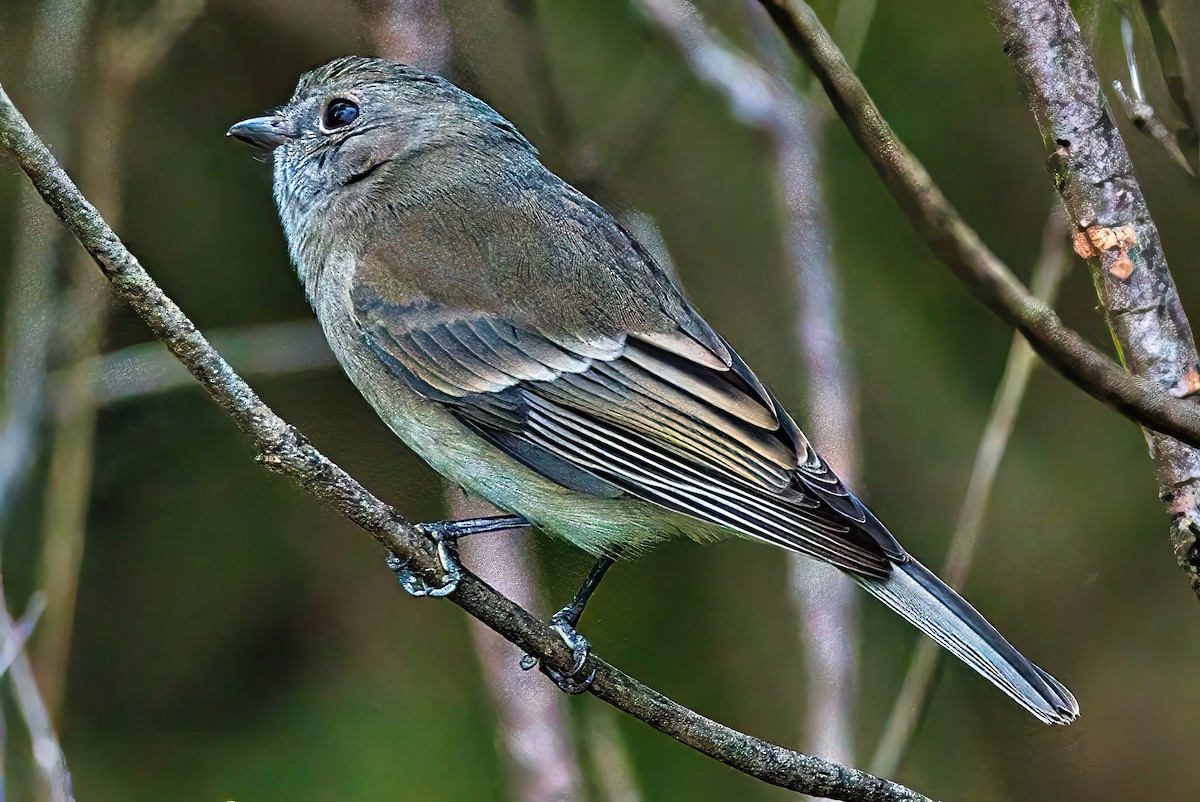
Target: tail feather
[930,605]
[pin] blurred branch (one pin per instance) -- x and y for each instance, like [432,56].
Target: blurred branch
[263,350]
[123,58]
[529,710]
[555,117]
[824,598]
[913,698]
[1140,398]
[29,318]
[30,301]
[850,27]
[1094,176]
[47,751]
[529,714]
[283,449]
[1138,110]
[609,757]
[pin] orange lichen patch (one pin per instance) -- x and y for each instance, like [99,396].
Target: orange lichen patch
[1126,236]
[1099,238]
[1083,246]
[1105,239]
[1188,385]
[1122,268]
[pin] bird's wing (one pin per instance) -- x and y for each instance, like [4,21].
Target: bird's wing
[661,416]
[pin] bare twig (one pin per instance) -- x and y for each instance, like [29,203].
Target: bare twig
[47,751]
[1138,109]
[1138,397]
[284,450]
[913,697]
[123,58]
[1094,176]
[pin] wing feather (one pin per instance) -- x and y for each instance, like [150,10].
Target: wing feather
[659,416]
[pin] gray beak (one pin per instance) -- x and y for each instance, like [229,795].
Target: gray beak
[267,133]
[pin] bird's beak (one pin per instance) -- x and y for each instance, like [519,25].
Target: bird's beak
[267,133]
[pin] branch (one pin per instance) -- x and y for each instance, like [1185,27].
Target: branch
[283,449]
[1138,109]
[1140,398]
[1093,174]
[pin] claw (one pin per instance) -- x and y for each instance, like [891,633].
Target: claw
[415,585]
[562,622]
[572,685]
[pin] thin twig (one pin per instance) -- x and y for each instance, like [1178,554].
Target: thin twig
[1138,109]
[913,698]
[47,751]
[283,449]
[1139,398]
[1094,176]
[268,349]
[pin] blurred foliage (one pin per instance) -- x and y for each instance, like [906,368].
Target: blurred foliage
[237,641]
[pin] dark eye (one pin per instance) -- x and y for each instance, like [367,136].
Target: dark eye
[340,113]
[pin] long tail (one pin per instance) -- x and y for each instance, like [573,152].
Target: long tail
[931,606]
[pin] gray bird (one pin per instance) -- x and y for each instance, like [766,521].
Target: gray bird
[518,339]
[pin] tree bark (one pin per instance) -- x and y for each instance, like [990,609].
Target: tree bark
[1094,176]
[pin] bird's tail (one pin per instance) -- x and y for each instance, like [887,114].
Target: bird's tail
[931,606]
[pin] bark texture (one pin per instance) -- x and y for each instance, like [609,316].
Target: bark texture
[1093,174]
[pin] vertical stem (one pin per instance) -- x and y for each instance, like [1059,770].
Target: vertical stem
[827,601]
[122,59]
[826,604]
[528,709]
[56,41]
[913,697]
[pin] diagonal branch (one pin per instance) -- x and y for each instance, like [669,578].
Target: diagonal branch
[285,450]
[1094,176]
[1140,398]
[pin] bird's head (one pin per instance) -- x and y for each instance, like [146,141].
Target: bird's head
[359,127]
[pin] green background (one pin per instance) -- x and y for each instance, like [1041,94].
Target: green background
[236,641]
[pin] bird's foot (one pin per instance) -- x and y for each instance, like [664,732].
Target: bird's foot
[447,534]
[416,585]
[573,681]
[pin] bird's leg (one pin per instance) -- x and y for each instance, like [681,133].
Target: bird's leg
[563,622]
[447,534]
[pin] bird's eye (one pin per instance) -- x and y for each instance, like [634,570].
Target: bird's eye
[340,113]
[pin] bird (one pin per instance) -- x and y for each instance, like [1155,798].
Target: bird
[515,336]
